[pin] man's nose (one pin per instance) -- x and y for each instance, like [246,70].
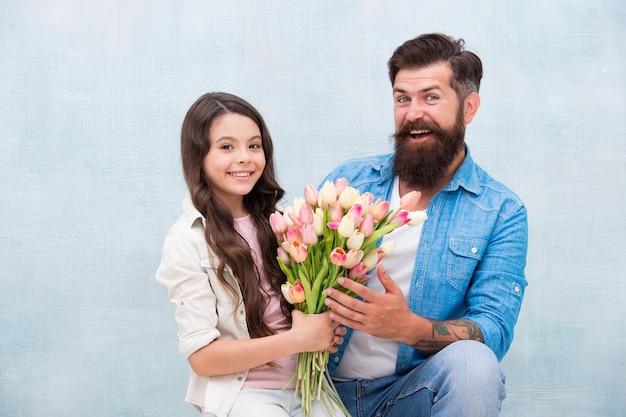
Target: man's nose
[414,112]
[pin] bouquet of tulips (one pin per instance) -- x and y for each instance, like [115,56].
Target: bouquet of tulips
[331,233]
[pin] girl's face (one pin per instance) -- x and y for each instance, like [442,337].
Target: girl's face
[235,160]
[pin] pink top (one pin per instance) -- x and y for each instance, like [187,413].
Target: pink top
[267,376]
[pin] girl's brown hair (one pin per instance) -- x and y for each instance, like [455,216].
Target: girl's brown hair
[220,233]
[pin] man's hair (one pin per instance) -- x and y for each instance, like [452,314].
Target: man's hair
[434,48]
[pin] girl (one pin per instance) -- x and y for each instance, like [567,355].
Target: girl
[219,266]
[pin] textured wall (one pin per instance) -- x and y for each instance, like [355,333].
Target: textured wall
[92,96]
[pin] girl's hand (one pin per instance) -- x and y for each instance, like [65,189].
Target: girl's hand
[313,332]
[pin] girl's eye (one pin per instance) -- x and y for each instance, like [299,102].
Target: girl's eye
[256,146]
[226,147]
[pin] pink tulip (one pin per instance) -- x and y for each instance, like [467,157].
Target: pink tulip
[338,257]
[297,251]
[295,221]
[401,218]
[357,271]
[278,223]
[409,201]
[282,255]
[293,233]
[357,213]
[367,225]
[340,185]
[311,195]
[309,237]
[335,212]
[293,293]
[378,209]
[306,214]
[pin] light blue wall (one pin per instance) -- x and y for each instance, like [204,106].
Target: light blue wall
[92,96]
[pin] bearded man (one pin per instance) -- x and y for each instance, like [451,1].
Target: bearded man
[427,333]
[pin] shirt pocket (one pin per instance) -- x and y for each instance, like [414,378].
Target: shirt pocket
[465,254]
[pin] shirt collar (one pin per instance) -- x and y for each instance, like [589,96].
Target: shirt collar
[465,176]
[192,213]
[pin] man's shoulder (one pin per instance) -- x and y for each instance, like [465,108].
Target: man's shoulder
[496,191]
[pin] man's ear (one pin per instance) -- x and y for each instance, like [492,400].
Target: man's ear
[470,107]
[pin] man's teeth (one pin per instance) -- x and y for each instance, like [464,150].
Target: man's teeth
[419,132]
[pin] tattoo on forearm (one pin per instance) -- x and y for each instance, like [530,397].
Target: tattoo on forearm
[446,332]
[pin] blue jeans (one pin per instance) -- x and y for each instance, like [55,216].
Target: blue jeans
[462,380]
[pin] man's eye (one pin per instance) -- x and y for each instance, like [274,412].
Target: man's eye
[431,97]
[403,99]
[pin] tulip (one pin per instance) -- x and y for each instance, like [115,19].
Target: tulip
[357,213]
[378,209]
[282,255]
[364,200]
[297,251]
[306,214]
[293,233]
[327,195]
[318,221]
[309,236]
[355,241]
[338,257]
[371,259]
[387,247]
[346,226]
[417,217]
[288,215]
[293,293]
[367,225]
[311,195]
[348,197]
[335,212]
[297,203]
[278,223]
[353,257]
[409,201]
[357,271]
[340,185]
[400,219]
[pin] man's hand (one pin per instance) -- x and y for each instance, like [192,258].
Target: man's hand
[385,315]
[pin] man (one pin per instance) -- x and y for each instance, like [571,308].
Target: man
[426,335]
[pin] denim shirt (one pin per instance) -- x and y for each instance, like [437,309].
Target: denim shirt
[471,254]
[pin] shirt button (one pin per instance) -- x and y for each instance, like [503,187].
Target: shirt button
[336,359]
[516,289]
[474,250]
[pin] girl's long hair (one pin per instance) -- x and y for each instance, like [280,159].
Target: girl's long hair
[221,236]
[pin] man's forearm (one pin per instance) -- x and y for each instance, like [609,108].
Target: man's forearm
[444,332]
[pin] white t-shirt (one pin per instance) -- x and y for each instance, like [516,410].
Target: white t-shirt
[366,356]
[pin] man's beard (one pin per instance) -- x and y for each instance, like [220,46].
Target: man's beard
[423,165]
